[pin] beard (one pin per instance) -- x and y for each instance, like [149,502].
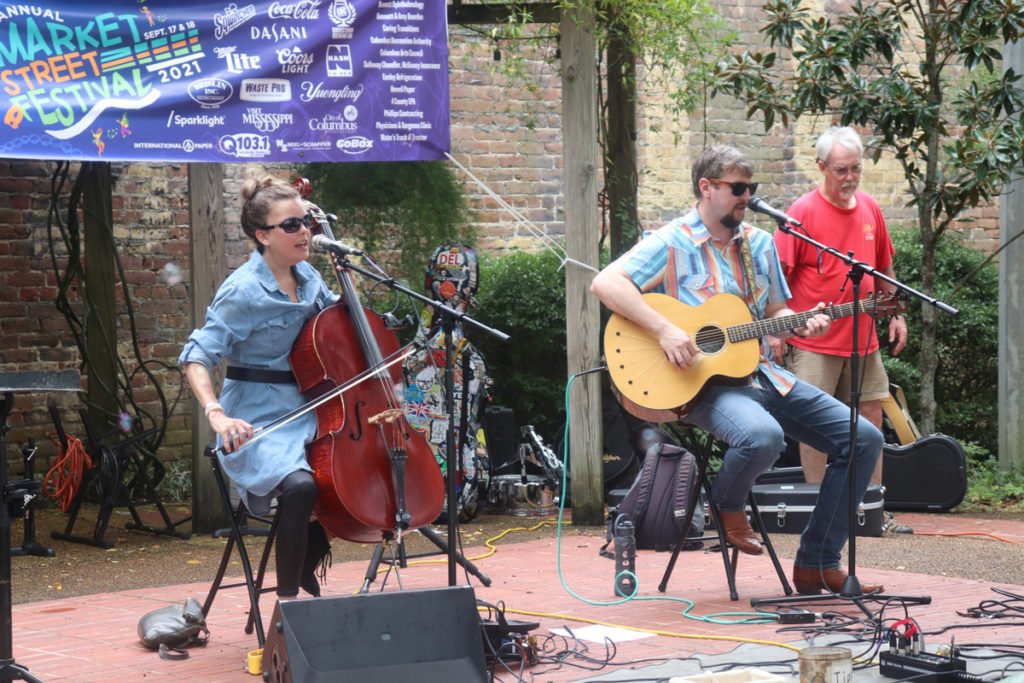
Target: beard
[730,221]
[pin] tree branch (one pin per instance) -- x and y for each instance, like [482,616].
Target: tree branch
[967,278]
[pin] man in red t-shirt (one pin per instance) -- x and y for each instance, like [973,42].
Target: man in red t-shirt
[839,216]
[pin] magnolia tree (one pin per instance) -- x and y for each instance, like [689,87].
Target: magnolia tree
[924,77]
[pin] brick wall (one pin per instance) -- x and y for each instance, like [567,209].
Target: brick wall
[506,135]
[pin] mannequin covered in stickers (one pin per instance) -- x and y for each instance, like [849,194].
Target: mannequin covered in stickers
[451,279]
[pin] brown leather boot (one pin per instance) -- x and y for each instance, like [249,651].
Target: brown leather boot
[812,581]
[738,532]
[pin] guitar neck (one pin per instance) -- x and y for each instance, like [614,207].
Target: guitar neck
[759,328]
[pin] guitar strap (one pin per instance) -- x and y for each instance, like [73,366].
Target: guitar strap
[750,290]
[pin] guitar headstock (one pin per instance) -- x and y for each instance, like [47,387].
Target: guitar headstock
[889,303]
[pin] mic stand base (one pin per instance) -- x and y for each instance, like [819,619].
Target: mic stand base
[33,548]
[10,671]
[439,541]
[851,592]
[400,560]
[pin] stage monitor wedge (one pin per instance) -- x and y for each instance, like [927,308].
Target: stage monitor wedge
[427,636]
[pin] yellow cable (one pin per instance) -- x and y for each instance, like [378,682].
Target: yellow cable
[672,634]
[489,543]
[693,636]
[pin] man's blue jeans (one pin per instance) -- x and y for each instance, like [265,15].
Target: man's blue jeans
[755,421]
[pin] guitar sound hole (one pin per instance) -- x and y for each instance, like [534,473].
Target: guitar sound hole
[710,339]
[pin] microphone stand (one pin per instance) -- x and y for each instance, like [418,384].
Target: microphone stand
[851,586]
[450,317]
[12,494]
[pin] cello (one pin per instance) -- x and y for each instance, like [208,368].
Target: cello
[373,472]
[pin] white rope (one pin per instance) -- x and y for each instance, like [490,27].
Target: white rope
[549,242]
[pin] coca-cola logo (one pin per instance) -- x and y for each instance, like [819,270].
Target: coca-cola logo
[306,9]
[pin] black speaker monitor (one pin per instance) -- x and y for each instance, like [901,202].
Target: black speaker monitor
[500,432]
[428,636]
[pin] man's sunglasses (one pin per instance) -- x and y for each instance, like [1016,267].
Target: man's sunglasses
[293,224]
[737,188]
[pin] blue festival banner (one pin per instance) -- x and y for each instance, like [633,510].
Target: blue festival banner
[289,80]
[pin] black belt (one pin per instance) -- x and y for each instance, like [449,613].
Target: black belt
[256,375]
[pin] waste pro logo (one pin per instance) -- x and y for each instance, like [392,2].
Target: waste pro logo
[265,90]
[245,145]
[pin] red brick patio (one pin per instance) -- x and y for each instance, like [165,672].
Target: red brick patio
[93,638]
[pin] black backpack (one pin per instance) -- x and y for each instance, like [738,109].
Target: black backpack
[661,493]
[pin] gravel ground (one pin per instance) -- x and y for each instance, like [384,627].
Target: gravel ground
[140,560]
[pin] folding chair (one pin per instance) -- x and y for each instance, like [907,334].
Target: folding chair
[239,519]
[703,455]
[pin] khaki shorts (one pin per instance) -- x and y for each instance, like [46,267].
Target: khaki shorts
[831,374]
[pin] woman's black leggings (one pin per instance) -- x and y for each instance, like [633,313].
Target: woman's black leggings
[294,507]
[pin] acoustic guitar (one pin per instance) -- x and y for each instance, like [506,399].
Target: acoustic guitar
[728,337]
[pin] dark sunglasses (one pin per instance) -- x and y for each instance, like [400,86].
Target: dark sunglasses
[293,224]
[737,188]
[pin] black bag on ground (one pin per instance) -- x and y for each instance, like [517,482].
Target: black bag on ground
[661,493]
[170,628]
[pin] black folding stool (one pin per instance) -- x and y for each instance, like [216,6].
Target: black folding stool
[239,520]
[703,455]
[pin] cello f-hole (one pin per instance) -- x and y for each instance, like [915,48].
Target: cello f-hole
[358,434]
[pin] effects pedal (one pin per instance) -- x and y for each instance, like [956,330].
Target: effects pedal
[906,659]
[921,667]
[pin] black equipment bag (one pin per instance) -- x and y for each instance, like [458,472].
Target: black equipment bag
[658,499]
[927,475]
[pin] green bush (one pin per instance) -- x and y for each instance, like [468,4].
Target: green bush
[990,488]
[967,345]
[523,295]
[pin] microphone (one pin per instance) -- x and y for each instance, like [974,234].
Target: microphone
[323,244]
[758,205]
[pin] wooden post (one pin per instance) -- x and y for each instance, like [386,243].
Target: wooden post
[580,173]
[209,267]
[1011,310]
[101,310]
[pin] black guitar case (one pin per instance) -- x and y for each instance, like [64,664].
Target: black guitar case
[927,475]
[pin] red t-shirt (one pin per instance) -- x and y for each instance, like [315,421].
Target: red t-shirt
[860,230]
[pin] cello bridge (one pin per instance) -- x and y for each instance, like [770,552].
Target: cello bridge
[389,415]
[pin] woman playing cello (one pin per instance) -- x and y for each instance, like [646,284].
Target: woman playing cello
[254,319]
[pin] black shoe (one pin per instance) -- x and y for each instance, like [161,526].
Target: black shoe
[316,561]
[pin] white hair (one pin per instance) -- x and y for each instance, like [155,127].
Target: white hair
[845,136]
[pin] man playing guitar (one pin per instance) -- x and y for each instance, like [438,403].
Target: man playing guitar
[709,251]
